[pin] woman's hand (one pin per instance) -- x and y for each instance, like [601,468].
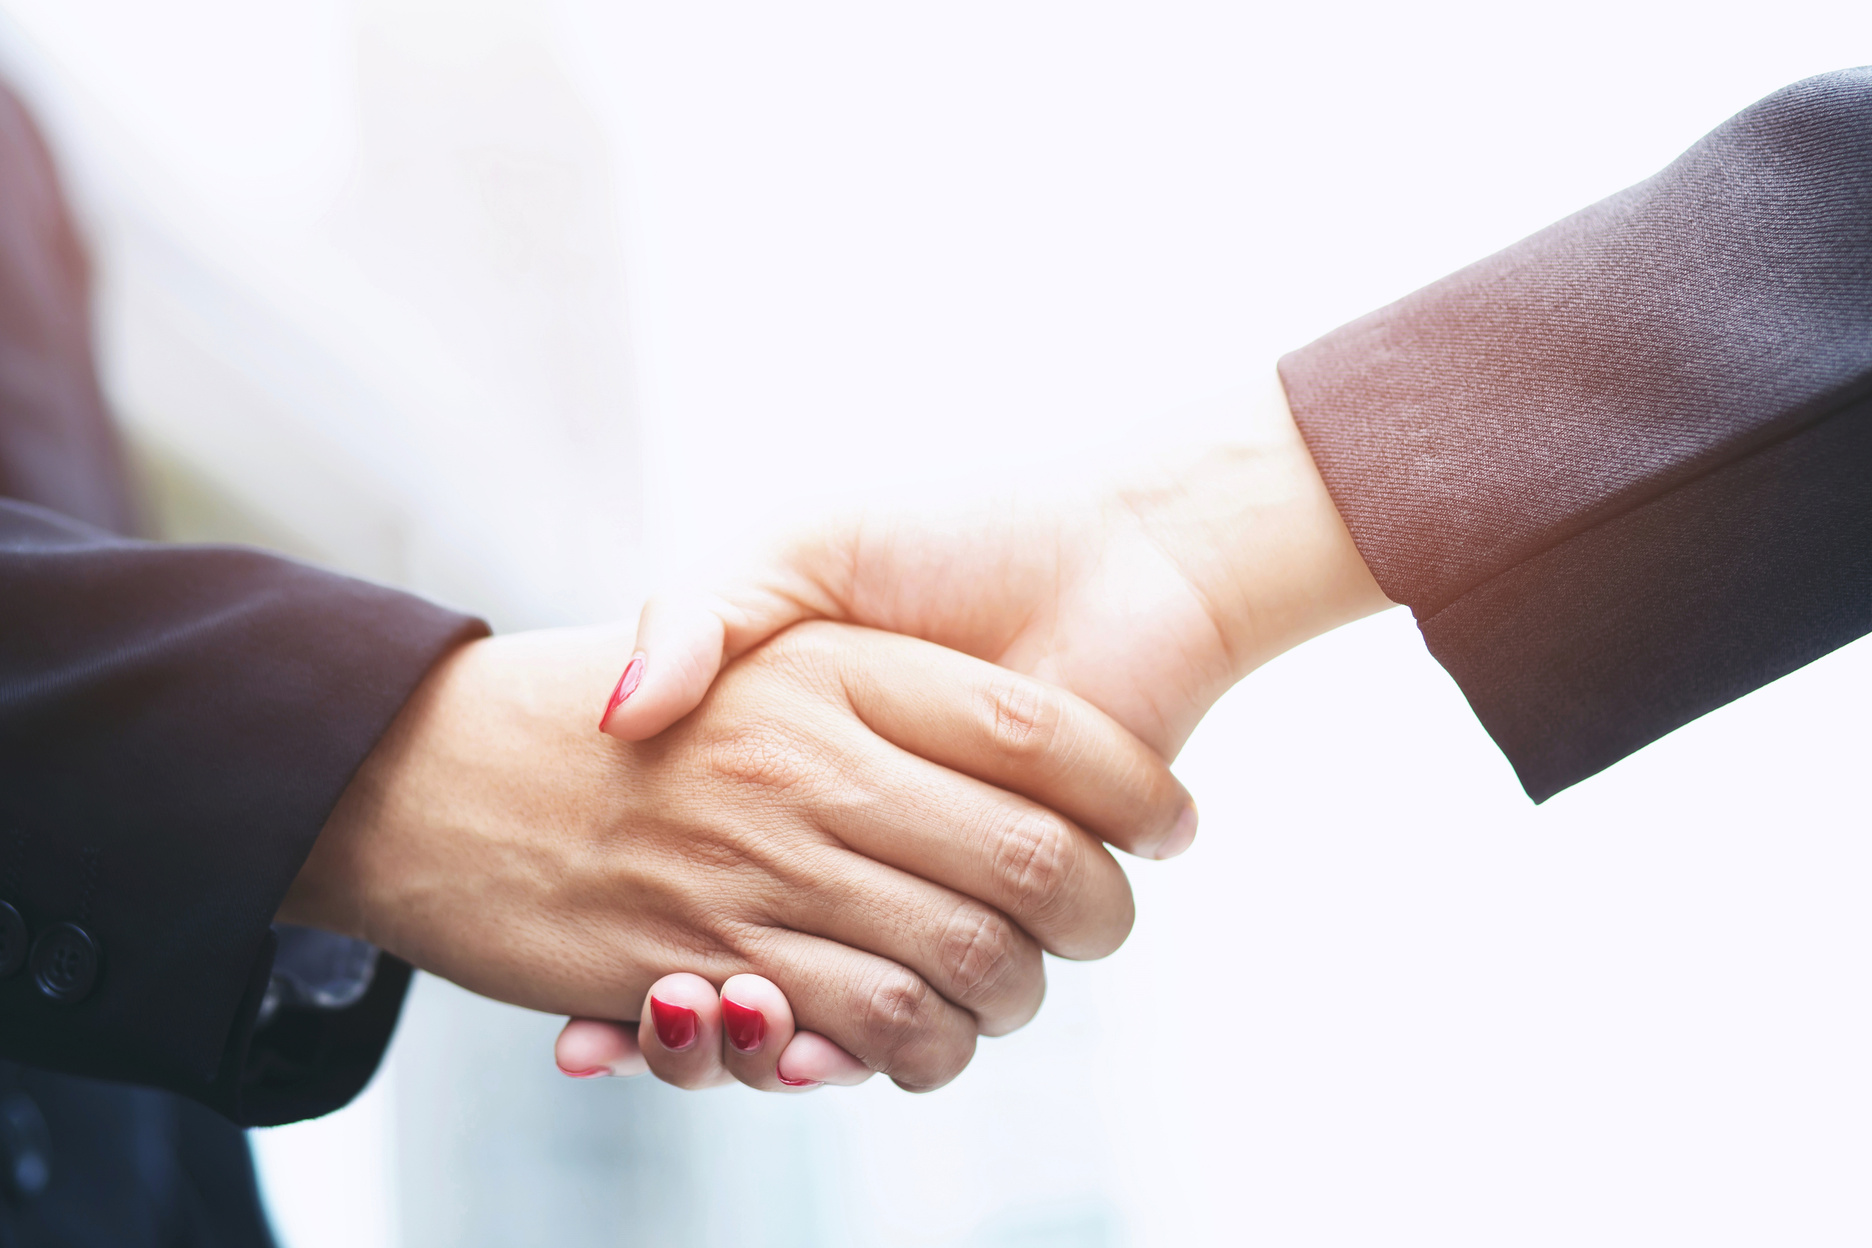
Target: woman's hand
[1149,601]
[891,829]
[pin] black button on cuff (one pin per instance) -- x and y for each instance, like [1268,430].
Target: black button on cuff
[12,941]
[65,963]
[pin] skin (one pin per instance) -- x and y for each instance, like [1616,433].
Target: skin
[1149,600]
[827,817]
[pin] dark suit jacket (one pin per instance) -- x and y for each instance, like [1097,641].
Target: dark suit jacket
[1622,471]
[175,725]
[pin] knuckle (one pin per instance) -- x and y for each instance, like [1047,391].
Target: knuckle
[718,855]
[812,646]
[980,954]
[739,945]
[801,661]
[1036,861]
[758,759]
[1022,718]
[896,1015]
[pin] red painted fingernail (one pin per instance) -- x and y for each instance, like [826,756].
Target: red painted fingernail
[746,1028]
[627,685]
[596,1072]
[675,1024]
[798,1083]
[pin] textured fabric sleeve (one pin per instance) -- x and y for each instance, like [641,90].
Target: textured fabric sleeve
[176,722]
[1622,471]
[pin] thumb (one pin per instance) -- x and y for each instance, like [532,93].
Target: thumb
[683,640]
[679,651]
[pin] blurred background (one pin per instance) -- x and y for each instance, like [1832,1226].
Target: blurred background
[534,306]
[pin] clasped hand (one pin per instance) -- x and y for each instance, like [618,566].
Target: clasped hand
[892,830]
[802,851]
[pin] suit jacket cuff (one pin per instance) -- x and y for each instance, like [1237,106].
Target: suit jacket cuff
[176,724]
[1618,470]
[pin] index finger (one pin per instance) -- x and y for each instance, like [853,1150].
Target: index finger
[1023,735]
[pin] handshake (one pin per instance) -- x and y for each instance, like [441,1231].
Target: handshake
[830,818]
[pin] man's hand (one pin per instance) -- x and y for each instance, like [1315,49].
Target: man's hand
[1148,602]
[892,830]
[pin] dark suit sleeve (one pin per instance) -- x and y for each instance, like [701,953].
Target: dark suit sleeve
[176,723]
[1622,471]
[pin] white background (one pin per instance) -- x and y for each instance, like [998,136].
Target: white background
[533,307]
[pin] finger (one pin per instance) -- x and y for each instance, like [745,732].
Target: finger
[1023,735]
[1050,877]
[591,1048]
[680,1034]
[974,955]
[757,1027]
[1038,868]
[812,1060]
[883,1015]
[678,653]
[685,639]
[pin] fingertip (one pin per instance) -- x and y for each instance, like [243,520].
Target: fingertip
[1181,836]
[680,1009]
[753,1009]
[627,684]
[757,992]
[680,1034]
[679,653]
[591,1048]
[811,1060]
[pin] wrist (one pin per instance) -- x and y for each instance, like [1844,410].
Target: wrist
[334,887]
[1255,531]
